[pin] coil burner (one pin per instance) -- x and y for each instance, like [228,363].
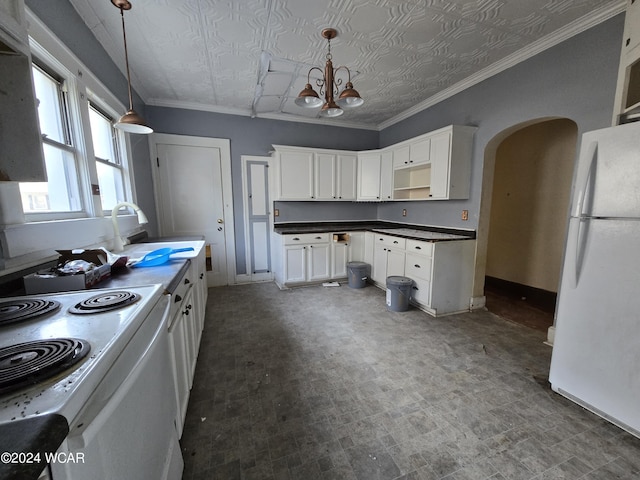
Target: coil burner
[32,362]
[105,302]
[14,311]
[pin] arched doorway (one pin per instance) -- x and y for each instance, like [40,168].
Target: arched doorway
[526,192]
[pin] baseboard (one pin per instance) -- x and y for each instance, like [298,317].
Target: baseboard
[539,298]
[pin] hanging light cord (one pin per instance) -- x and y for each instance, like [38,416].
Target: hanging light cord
[126,59]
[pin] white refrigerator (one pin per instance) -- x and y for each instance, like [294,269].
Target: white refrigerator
[596,351]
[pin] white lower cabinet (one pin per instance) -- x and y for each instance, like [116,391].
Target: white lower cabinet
[442,271]
[306,258]
[388,258]
[340,253]
[181,345]
[318,257]
[186,323]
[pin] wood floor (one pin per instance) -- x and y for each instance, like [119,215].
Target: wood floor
[517,309]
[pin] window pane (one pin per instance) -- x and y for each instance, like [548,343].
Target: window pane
[49,107]
[60,193]
[111,185]
[103,136]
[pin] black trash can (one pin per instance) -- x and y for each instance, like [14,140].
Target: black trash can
[398,293]
[357,274]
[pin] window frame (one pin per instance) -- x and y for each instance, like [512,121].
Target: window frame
[82,88]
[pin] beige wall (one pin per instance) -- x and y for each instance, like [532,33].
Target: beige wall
[529,207]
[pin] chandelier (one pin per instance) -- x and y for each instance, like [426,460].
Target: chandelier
[329,86]
[130,122]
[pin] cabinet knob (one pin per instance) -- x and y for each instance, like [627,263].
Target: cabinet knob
[177,299]
[187,281]
[395,241]
[418,247]
[295,238]
[310,246]
[318,238]
[417,266]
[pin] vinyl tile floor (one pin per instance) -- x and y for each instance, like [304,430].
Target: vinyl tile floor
[326,383]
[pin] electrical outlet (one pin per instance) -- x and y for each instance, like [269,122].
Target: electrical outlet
[465,214]
[276,213]
[404,212]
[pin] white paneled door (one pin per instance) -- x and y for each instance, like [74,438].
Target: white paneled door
[193,196]
[257,217]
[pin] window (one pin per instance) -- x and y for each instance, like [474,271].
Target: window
[106,151]
[60,193]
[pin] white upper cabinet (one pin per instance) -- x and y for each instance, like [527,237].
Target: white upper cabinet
[295,172]
[347,167]
[325,176]
[434,166]
[369,175]
[627,101]
[314,174]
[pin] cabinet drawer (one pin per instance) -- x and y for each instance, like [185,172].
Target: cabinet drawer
[416,266]
[419,248]
[391,241]
[421,292]
[306,238]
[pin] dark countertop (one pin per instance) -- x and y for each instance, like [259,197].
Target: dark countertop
[168,275]
[29,439]
[417,232]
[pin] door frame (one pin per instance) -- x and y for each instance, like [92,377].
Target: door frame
[248,249]
[224,145]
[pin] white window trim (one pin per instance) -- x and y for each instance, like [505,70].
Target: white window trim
[28,244]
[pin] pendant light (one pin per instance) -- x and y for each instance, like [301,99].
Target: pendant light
[349,98]
[130,122]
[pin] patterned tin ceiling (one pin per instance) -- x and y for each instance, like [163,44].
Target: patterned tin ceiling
[251,57]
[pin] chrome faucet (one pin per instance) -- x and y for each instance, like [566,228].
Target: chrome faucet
[118,243]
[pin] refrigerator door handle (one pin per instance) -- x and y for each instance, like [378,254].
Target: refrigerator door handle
[592,155]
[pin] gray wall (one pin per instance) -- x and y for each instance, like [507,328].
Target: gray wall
[255,136]
[575,79]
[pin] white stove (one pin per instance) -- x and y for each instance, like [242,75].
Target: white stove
[112,345]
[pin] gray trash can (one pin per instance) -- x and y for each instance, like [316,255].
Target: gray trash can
[357,274]
[398,293]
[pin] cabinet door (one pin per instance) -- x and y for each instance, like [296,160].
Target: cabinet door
[395,262]
[346,181]
[357,247]
[631,26]
[319,267]
[386,176]
[369,176]
[419,152]
[295,176]
[191,326]
[339,259]
[379,267]
[440,153]
[325,176]
[295,265]
[401,157]
[179,367]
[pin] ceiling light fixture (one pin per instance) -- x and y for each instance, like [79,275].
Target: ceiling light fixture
[349,98]
[130,122]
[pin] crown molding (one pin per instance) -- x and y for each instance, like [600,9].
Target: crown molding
[247,113]
[578,26]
